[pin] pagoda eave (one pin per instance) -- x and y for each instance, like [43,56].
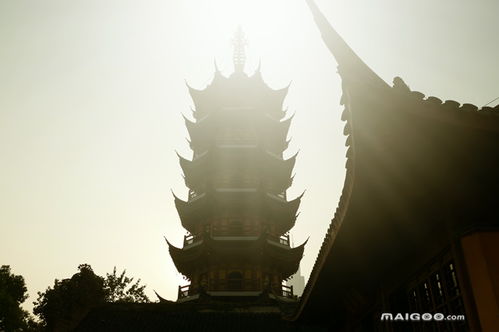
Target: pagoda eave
[258,250]
[277,209]
[233,157]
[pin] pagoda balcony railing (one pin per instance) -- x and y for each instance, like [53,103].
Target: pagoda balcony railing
[191,239]
[183,291]
[235,285]
[232,231]
[287,292]
[194,195]
[283,239]
[282,195]
[242,144]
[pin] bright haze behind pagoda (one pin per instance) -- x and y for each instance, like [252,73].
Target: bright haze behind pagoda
[92,94]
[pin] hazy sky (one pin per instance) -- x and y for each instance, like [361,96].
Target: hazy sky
[92,91]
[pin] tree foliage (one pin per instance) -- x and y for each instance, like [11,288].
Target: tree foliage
[70,299]
[119,288]
[12,294]
[64,305]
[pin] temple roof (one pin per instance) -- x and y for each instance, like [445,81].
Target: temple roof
[260,249]
[450,112]
[421,173]
[350,65]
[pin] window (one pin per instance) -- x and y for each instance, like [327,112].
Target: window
[436,290]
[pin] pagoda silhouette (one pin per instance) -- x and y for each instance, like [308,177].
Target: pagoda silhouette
[237,213]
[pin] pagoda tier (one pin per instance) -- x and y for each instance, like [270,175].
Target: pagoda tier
[207,250]
[247,92]
[252,210]
[241,127]
[238,166]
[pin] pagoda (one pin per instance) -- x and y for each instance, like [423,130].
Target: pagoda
[237,213]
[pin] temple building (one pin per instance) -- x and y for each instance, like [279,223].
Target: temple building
[417,226]
[237,213]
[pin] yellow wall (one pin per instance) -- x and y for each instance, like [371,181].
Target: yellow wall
[481,255]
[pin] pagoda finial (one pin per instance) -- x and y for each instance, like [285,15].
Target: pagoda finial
[239,42]
[217,70]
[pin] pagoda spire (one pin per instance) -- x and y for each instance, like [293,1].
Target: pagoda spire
[348,61]
[239,42]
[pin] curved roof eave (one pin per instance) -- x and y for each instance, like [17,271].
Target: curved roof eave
[349,63]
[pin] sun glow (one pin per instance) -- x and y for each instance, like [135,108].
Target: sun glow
[267,24]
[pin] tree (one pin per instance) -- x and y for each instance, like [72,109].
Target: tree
[116,288]
[61,308]
[12,294]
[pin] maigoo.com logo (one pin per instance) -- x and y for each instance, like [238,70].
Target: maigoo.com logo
[415,317]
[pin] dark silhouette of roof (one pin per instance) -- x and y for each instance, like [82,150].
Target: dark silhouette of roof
[187,317]
[419,173]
